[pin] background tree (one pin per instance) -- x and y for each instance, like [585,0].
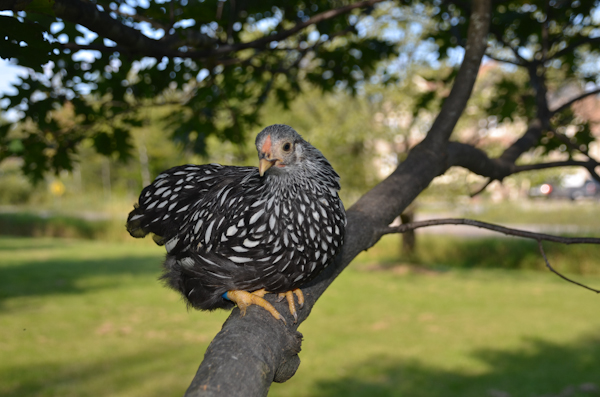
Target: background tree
[553,45]
[219,62]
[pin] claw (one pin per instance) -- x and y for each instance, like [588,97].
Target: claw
[290,298]
[300,297]
[244,299]
[260,292]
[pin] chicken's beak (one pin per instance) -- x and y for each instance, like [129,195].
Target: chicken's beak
[264,165]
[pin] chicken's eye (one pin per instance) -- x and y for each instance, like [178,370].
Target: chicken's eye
[287,147]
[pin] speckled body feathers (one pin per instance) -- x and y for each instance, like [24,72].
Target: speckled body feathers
[226,228]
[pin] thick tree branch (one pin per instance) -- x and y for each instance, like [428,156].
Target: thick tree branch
[537,77]
[478,162]
[224,370]
[135,42]
[455,103]
[100,22]
[89,15]
[14,5]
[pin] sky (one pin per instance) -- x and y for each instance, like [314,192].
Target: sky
[9,74]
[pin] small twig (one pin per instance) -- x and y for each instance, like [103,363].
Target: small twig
[482,188]
[539,237]
[499,59]
[490,226]
[560,275]
[284,34]
[568,104]
[574,44]
[565,139]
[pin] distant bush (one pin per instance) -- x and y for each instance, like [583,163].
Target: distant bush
[446,252]
[40,225]
[14,189]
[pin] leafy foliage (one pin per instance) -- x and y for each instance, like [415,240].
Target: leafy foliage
[95,66]
[218,61]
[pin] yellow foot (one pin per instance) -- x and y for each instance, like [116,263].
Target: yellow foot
[244,299]
[290,300]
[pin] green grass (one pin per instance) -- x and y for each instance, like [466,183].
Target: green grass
[84,318]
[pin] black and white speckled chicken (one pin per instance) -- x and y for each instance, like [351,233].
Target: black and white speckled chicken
[233,234]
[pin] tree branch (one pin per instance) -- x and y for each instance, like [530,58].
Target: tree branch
[498,59]
[263,41]
[568,104]
[569,49]
[478,162]
[100,22]
[589,165]
[539,237]
[482,188]
[567,141]
[141,18]
[559,274]
[97,47]
[524,143]
[455,102]
[520,61]
[223,371]
[489,226]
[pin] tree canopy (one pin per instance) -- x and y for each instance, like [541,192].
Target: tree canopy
[217,60]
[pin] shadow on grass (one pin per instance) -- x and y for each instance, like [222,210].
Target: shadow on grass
[64,276]
[117,373]
[540,369]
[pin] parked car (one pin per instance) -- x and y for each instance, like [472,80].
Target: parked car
[589,189]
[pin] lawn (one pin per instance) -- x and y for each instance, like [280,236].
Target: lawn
[89,318]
